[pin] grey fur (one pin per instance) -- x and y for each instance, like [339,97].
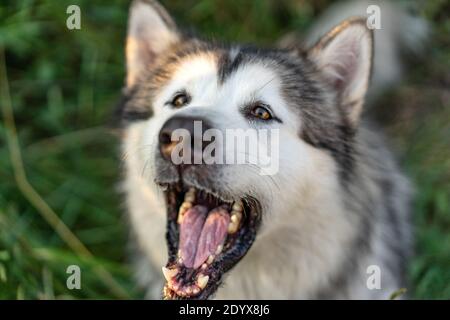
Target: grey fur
[373,198]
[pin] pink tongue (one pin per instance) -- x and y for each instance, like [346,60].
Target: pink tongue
[201,234]
[190,230]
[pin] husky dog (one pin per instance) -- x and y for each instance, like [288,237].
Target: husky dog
[337,208]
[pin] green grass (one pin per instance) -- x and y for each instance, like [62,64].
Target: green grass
[63,86]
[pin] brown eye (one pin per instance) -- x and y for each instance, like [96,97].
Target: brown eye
[261,112]
[180,100]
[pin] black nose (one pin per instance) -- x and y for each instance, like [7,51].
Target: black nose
[195,127]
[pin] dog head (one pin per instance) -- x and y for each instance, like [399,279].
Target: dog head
[184,95]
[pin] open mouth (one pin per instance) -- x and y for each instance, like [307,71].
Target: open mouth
[206,236]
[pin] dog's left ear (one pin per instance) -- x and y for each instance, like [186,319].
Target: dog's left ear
[151,31]
[344,58]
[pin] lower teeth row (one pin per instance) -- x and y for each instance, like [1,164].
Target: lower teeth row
[187,290]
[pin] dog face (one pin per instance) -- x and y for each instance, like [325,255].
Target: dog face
[310,100]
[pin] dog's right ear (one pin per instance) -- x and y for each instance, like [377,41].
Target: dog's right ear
[150,32]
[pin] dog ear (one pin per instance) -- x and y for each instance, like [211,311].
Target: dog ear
[344,58]
[150,32]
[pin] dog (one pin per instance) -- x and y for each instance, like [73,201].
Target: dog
[336,210]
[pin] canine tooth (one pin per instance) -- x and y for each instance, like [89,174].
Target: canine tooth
[219,249]
[210,259]
[237,206]
[234,218]
[183,208]
[202,281]
[169,273]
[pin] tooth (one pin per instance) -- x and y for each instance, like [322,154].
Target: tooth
[210,259]
[234,218]
[183,208]
[196,290]
[186,205]
[169,273]
[237,214]
[190,195]
[202,281]
[167,293]
[204,266]
[232,227]
[174,286]
[237,206]
[219,249]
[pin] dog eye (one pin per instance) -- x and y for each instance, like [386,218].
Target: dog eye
[261,112]
[180,100]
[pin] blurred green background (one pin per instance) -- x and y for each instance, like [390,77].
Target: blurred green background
[62,86]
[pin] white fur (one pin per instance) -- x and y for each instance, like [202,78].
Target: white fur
[304,225]
[307,222]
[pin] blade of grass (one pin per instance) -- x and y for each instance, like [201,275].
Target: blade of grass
[33,196]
